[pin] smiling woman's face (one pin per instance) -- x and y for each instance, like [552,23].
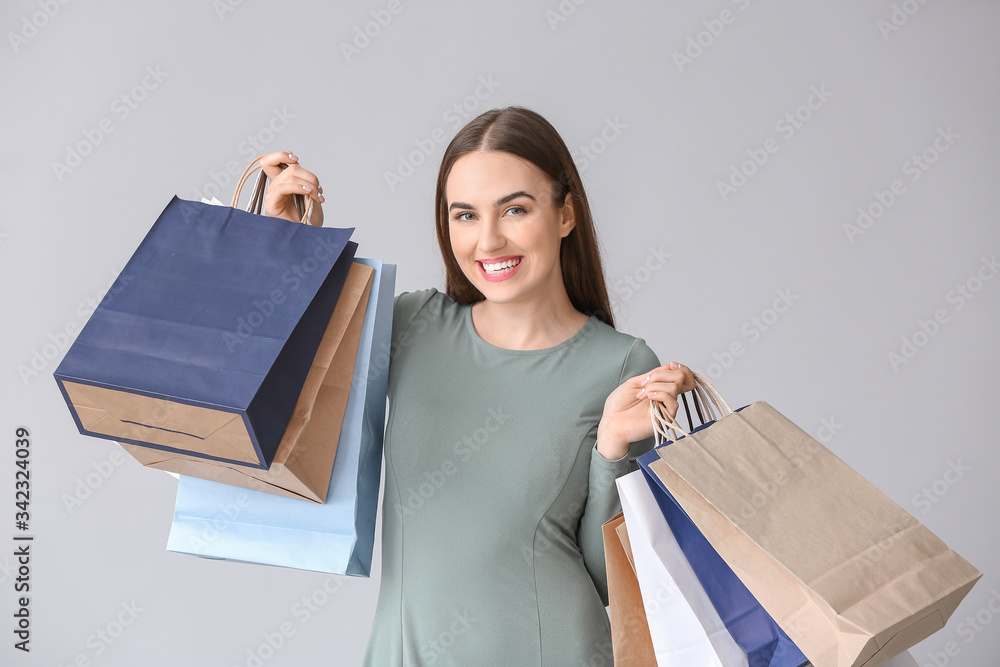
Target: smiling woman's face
[505,227]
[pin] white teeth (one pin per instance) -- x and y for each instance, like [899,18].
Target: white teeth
[501,266]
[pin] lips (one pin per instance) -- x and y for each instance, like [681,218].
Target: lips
[498,269]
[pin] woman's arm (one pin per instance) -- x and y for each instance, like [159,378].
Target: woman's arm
[625,433]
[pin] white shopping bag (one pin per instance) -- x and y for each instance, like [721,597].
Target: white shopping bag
[685,628]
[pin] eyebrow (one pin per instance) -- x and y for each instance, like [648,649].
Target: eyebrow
[500,202]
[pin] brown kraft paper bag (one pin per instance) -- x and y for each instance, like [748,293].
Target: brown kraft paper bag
[849,575]
[304,461]
[633,647]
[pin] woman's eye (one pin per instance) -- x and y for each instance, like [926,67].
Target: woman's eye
[516,210]
[461,216]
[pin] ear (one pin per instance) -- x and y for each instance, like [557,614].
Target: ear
[567,217]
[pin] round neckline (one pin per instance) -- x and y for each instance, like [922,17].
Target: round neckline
[582,331]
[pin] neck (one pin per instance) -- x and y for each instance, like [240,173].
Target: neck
[528,324]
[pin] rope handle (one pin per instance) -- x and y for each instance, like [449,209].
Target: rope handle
[256,204]
[704,395]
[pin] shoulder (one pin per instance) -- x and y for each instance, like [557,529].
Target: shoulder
[631,354]
[417,308]
[407,304]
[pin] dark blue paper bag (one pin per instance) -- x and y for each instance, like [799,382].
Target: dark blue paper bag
[205,340]
[337,536]
[756,632]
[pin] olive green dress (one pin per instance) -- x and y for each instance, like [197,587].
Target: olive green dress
[495,493]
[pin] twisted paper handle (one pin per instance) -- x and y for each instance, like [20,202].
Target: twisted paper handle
[705,395]
[256,205]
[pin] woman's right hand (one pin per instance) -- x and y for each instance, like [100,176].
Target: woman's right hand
[293,180]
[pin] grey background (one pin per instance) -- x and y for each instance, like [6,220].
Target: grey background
[65,236]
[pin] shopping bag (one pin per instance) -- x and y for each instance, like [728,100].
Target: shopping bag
[204,341]
[304,460]
[757,634]
[684,626]
[850,576]
[221,521]
[630,640]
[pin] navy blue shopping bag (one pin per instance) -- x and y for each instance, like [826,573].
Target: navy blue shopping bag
[753,629]
[203,343]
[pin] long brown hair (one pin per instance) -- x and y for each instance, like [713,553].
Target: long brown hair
[527,135]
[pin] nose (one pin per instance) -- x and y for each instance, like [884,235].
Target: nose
[491,237]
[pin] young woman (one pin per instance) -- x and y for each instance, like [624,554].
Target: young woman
[514,405]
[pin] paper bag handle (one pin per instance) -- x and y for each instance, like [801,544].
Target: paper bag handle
[704,394]
[256,203]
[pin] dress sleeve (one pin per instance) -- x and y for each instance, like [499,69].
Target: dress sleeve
[405,308]
[602,497]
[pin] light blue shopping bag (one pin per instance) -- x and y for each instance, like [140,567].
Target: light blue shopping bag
[216,520]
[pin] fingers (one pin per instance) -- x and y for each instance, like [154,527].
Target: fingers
[294,172]
[674,378]
[664,384]
[269,163]
[656,391]
[297,173]
[278,201]
[292,180]
[289,187]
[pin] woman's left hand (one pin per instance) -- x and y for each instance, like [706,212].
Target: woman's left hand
[626,411]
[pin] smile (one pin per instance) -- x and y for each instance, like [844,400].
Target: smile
[500,268]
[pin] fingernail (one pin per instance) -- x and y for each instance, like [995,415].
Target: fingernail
[643,384]
[292,157]
[307,188]
[641,392]
[322,198]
